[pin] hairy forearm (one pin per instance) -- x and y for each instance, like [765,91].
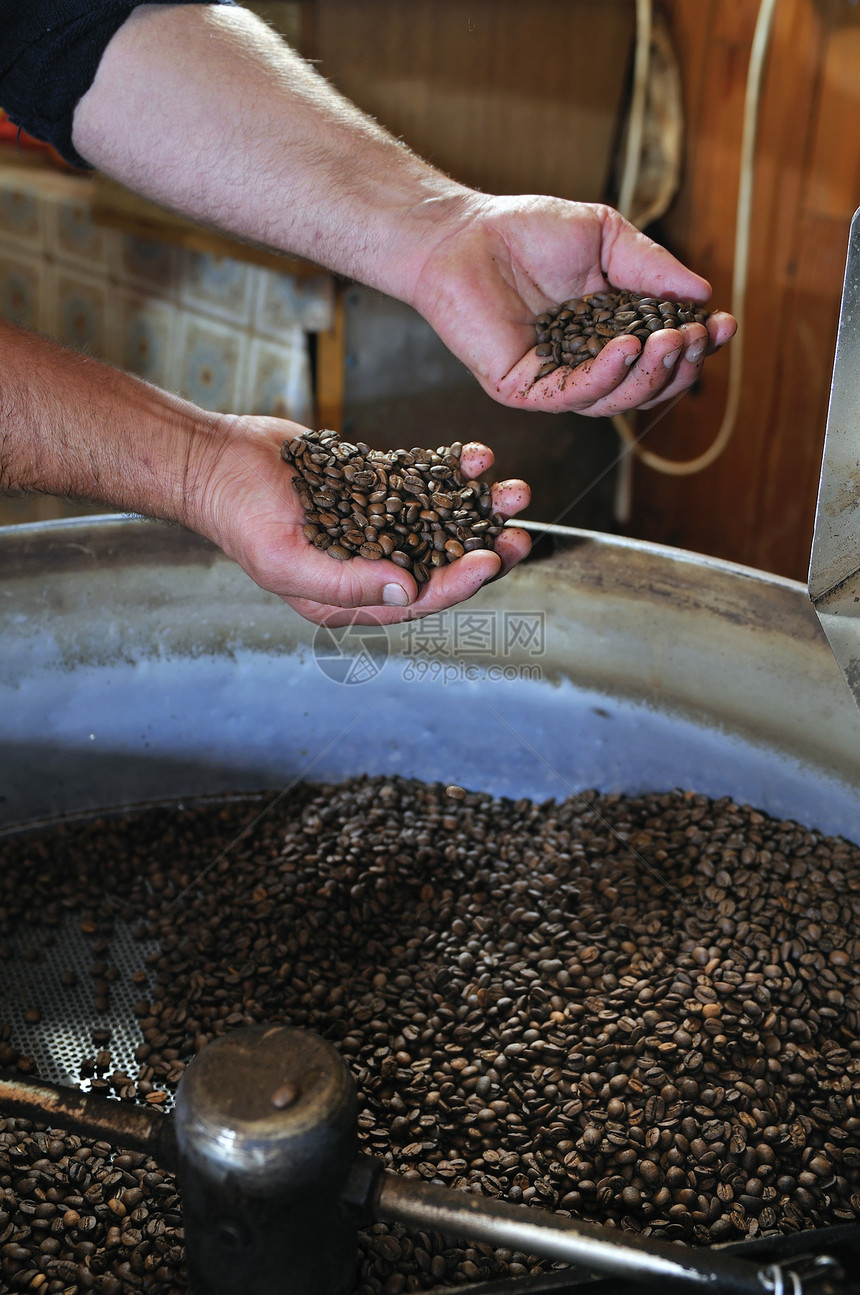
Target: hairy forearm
[72,426]
[209,112]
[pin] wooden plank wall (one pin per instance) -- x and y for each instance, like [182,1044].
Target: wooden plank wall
[756,504]
[487,90]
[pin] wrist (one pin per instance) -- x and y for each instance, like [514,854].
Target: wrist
[237,482]
[199,492]
[144,450]
[419,226]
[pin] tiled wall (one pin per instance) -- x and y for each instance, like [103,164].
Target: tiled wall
[228,335]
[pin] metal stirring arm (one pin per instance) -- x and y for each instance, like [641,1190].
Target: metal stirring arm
[137,1128]
[834,568]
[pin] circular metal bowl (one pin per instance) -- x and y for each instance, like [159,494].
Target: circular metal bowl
[140,665]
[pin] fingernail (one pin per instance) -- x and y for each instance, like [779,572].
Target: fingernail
[395,596]
[671,359]
[695,352]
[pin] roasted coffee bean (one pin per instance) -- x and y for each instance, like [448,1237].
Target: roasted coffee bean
[577,330]
[502,979]
[391,504]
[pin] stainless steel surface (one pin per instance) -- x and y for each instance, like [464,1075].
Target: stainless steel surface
[140,665]
[68,1015]
[834,568]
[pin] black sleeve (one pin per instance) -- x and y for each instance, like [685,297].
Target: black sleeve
[49,54]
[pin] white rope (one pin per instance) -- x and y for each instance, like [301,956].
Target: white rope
[672,467]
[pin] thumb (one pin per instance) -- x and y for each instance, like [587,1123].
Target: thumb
[351,582]
[635,261]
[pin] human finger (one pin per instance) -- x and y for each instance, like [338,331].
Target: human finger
[447,586]
[512,545]
[632,260]
[721,329]
[622,376]
[508,497]
[687,365]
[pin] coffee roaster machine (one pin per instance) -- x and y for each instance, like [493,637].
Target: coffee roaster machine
[140,667]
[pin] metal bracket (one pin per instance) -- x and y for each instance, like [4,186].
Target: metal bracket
[834,567]
[807,1275]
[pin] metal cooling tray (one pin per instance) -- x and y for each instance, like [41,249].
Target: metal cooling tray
[834,568]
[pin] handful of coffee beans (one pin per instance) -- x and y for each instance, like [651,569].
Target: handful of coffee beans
[412,506]
[578,329]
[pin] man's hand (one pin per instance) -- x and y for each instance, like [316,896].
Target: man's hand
[72,426]
[249,508]
[506,260]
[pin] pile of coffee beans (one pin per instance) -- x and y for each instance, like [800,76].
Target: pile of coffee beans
[578,329]
[413,507]
[640,1010]
[77,1216]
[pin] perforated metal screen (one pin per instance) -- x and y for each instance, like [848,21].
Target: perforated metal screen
[62,1038]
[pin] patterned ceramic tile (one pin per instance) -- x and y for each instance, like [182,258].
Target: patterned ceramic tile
[146,342]
[147,263]
[227,335]
[22,289]
[283,300]
[278,379]
[218,285]
[72,234]
[208,363]
[21,213]
[80,314]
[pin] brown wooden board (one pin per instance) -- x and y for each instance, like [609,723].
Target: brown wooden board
[506,96]
[756,504]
